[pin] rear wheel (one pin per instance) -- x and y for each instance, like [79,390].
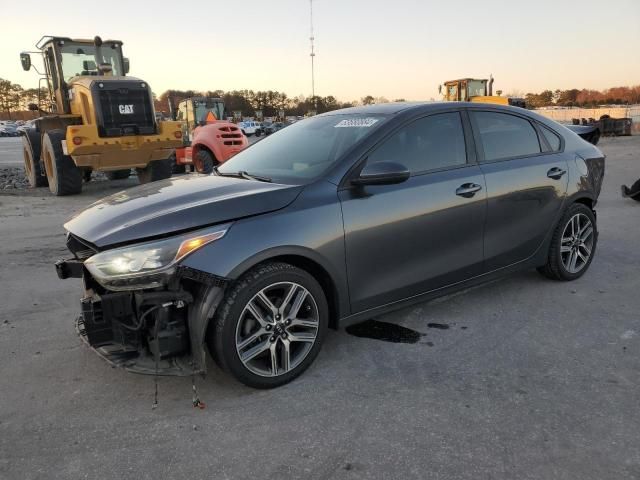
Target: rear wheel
[204,161]
[156,170]
[118,174]
[64,177]
[573,244]
[270,326]
[32,168]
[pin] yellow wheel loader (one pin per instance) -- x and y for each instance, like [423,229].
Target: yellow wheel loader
[94,117]
[476,90]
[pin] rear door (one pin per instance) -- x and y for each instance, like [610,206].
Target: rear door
[526,179]
[412,237]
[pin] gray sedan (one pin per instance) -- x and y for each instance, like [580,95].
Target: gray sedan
[336,219]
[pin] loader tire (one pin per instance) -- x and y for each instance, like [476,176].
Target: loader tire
[32,166]
[64,177]
[204,162]
[156,170]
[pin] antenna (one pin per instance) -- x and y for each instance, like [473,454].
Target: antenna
[312,54]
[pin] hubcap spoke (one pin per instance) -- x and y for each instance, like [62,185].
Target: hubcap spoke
[586,233]
[252,338]
[297,322]
[274,360]
[286,356]
[255,312]
[268,303]
[255,351]
[302,337]
[295,308]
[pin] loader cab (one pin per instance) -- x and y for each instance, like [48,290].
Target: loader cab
[65,59]
[463,90]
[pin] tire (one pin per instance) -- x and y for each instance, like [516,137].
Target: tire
[175,166]
[572,240]
[64,177]
[156,170]
[204,161]
[118,174]
[234,324]
[32,166]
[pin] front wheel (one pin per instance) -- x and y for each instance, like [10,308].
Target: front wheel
[573,244]
[270,326]
[204,161]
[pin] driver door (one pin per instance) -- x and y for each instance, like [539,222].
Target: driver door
[425,233]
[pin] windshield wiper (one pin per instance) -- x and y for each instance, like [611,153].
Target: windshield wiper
[243,174]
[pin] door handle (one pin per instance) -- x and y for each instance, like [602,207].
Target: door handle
[556,173]
[468,190]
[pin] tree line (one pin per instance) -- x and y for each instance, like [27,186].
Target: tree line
[15,98]
[584,98]
[269,102]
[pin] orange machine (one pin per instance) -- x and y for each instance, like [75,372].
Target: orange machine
[208,139]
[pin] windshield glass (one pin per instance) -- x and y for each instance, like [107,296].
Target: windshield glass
[81,59]
[477,88]
[303,151]
[203,107]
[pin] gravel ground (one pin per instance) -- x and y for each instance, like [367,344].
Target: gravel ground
[532,379]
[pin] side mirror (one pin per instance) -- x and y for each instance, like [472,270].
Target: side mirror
[25,60]
[125,65]
[382,173]
[33,107]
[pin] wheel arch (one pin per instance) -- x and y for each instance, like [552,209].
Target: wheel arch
[308,261]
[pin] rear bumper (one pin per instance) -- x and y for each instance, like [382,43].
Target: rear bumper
[114,153]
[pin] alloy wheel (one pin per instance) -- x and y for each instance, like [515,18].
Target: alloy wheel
[277,329]
[577,243]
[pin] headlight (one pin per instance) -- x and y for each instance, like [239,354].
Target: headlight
[150,264]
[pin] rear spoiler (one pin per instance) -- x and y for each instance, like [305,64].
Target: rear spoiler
[589,133]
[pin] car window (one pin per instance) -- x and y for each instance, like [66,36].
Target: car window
[552,138]
[429,143]
[504,136]
[304,151]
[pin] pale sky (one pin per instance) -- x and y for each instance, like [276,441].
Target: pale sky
[396,49]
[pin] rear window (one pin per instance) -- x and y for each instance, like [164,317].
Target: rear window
[505,136]
[552,139]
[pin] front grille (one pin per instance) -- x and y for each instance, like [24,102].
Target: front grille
[123,108]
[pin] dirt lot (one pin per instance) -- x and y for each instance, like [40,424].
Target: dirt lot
[532,379]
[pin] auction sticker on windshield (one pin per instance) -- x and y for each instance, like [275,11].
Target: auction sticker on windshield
[356,123]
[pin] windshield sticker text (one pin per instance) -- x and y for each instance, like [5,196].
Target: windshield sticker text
[356,123]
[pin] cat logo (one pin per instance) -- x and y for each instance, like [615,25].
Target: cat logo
[125,109]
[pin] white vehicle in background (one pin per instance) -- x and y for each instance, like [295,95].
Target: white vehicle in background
[251,128]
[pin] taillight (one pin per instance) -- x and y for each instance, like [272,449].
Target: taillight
[77,141]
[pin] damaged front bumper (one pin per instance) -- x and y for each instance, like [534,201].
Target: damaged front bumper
[155,332]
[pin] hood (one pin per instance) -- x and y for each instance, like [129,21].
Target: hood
[175,205]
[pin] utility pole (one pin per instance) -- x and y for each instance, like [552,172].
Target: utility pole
[312,55]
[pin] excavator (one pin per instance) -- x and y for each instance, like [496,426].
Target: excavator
[93,118]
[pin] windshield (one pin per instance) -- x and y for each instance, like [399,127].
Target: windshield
[202,108]
[81,59]
[303,151]
[477,88]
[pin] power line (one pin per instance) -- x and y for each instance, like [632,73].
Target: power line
[312,54]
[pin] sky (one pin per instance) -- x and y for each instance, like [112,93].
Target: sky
[395,49]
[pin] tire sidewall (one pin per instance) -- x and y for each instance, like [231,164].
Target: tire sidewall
[225,340]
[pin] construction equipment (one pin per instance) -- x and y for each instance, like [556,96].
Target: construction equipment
[476,90]
[94,118]
[208,139]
